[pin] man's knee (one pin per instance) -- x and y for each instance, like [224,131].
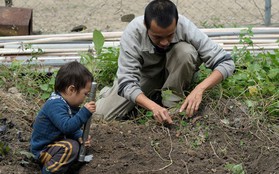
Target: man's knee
[185,53]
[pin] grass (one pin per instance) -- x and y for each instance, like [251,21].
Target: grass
[255,84]
[255,81]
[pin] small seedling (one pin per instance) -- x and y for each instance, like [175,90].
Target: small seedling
[235,168]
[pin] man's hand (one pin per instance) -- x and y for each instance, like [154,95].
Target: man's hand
[161,115]
[91,106]
[192,102]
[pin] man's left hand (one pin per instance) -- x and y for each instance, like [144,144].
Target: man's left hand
[192,102]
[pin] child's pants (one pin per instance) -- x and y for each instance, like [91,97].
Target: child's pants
[57,157]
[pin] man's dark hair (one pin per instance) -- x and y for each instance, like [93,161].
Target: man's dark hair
[72,73]
[162,11]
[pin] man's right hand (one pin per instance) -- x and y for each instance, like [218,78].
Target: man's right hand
[159,113]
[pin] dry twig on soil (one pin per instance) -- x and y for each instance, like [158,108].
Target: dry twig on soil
[169,155]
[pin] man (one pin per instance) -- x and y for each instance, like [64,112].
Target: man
[162,50]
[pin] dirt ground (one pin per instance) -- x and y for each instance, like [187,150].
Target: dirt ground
[221,133]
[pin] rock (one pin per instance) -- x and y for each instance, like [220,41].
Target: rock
[127,18]
[13,90]
[79,28]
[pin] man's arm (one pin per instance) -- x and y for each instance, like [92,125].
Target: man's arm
[193,100]
[159,113]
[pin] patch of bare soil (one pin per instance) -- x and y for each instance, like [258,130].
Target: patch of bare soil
[221,133]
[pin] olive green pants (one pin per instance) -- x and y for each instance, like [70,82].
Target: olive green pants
[181,63]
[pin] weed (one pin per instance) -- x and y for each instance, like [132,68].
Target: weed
[48,87]
[183,123]
[144,119]
[235,168]
[200,134]
[4,149]
[27,76]
[27,154]
[256,79]
[102,64]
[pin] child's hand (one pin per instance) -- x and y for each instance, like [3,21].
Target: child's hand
[91,106]
[87,143]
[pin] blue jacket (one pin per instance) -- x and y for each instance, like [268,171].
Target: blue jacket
[56,121]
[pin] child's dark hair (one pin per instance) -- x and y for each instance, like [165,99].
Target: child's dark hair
[72,73]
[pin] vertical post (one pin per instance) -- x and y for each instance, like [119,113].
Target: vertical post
[267,17]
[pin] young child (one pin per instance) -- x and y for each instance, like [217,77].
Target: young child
[57,133]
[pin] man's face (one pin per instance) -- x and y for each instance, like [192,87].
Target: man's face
[161,37]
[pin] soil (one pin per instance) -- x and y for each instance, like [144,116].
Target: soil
[221,133]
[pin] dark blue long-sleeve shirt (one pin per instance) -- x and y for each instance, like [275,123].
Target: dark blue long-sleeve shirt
[56,121]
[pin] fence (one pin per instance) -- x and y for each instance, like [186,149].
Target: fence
[52,16]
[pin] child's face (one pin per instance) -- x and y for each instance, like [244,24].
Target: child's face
[77,98]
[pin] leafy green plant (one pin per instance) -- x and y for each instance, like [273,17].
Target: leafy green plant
[103,63]
[27,77]
[4,149]
[144,119]
[27,156]
[256,79]
[235,168]
[183,123]
[48,87]
[35,52]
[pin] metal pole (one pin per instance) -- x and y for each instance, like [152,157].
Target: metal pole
[267,12]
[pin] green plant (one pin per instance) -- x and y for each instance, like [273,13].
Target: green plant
[27,76]
[256,79]
[103,63]
[235,168]
[144,119]
[4,149]
[183,123]
[27,156]
[35,52]
[48,86]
